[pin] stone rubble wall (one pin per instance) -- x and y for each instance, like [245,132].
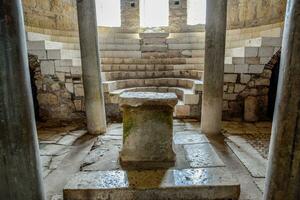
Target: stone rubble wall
[62,15]
[246,91]
[55,101]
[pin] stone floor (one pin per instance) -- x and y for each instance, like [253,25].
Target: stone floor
[66,149]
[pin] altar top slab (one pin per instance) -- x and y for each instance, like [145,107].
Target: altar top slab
[135,99]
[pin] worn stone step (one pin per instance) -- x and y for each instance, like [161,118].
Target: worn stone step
[109,40]
[200,34]
[143,61]
[119,35]
[119,47]
[121,75]
[187,96]
[175,184]
[154,35]
[185,40]
[167,54]
[110,86]
[154,48]
[192,46]
[150,67]
[120,54]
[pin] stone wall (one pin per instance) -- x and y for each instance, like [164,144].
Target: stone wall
[246,92]
[55,101]
[51,14]
[61,14]
[249,13]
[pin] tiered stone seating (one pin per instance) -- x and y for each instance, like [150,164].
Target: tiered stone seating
[128,63]
[154,61]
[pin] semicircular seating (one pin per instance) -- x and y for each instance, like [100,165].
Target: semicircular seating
[160,62]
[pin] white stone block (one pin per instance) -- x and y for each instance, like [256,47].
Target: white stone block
[37,36]
[230,78]
[63,69]
[182,110]
[228,60]
[69,87]
[109,86]
[237,60]
[182,83]
[241,68]
[251,51]
[173,82]
[265,60]
[191,99]
[149,82]
[79,91]
[198,86]
[47,68]
[123,67]
[76,70]
[41,54]
[132,67]
[266,51]
[256,69]
[229,68]
[106,68]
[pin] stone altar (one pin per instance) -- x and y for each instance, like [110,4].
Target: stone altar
[147,129]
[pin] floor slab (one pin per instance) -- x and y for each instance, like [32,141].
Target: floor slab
[197,183]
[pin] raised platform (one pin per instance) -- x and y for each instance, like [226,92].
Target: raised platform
[198,183]
[199,172]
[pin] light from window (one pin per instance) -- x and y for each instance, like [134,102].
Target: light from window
[154,13]
[108,13]
[196,12]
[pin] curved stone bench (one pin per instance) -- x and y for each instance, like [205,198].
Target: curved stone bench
[121,75]
[110,86]
[150,67]
[186,96]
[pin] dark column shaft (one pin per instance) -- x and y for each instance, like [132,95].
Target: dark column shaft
[20,171]
[94,100]
[283,177]
[215,34]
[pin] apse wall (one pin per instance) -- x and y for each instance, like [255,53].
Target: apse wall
[50,14]
[61,14]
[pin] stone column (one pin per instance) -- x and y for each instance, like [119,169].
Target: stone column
[91,72]
[20,169]
[283,177]
[212,102]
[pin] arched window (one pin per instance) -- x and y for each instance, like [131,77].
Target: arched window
[108,13]
[154,13]
[196,12]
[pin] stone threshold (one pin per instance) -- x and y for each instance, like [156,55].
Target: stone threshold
[175,184]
